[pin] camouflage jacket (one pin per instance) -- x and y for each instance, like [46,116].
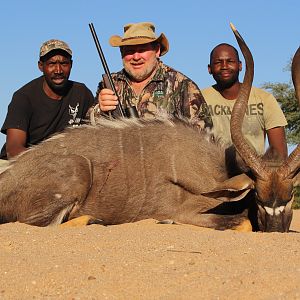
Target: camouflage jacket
[169,91]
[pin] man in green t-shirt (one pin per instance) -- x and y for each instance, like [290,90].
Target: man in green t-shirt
[263,116]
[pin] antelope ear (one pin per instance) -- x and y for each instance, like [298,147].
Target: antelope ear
[232,189]
[296,179]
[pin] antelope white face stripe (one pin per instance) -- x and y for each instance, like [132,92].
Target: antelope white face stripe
[279,210]
[271,211]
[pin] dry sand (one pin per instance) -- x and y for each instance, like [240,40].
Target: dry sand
[145,260]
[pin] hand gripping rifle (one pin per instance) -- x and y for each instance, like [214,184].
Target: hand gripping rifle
[130,111]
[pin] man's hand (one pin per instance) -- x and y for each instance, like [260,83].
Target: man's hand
[107,100]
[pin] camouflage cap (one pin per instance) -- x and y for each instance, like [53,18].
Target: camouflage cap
[51,45]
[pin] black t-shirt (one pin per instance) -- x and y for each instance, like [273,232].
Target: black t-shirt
[31,110]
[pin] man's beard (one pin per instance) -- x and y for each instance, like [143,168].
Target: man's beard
[59,89]
[137,76]
[226,84]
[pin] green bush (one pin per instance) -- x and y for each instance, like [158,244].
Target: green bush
[296,204]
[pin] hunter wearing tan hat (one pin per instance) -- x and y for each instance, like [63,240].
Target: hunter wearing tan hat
[147,83]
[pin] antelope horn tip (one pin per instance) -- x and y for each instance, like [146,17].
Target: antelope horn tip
[232,27]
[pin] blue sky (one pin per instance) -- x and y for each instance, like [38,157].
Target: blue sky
[193,27]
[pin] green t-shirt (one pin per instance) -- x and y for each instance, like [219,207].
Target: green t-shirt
[263,113]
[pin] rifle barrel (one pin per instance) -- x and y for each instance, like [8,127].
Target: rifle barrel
[105,66]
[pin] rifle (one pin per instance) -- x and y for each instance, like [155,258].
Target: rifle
[130,111]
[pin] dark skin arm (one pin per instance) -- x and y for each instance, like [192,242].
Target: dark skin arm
[15,142]
[276,138]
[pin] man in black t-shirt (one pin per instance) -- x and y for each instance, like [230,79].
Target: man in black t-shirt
[47,104]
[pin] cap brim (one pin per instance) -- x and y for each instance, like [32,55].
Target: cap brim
[68,52]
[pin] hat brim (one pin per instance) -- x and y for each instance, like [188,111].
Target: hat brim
[117,41]
[55,52]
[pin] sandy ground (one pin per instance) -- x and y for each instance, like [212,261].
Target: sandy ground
[145,260]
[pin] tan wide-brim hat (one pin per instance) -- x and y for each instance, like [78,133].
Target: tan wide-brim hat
[140,33]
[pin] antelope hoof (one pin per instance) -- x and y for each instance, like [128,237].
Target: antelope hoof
[167,221]
[82,221]
[245,226]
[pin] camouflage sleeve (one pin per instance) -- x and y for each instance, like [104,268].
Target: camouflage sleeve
[199,111]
